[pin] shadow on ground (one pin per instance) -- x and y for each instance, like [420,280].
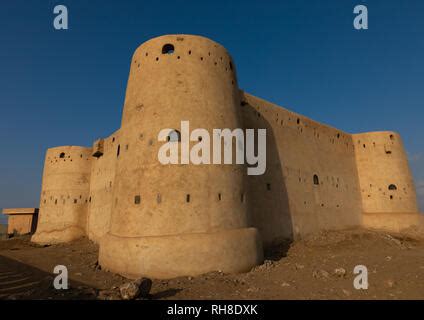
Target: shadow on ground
[21,281]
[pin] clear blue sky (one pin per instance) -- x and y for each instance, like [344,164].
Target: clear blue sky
[67,87]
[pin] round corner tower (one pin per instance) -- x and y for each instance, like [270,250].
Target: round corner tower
[178,219]
[385,178]
[64,195]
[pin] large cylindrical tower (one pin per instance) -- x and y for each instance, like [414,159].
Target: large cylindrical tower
[178,219]
[64,195]
[385,178]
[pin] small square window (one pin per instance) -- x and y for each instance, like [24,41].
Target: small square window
[137,199]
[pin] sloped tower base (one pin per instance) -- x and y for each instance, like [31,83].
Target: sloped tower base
[165,257]
[408,223]
[58,236]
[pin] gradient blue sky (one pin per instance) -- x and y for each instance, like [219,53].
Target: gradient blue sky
[67,87]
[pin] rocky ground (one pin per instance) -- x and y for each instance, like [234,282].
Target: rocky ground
[320,267]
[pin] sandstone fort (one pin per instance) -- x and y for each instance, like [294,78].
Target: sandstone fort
[164,221]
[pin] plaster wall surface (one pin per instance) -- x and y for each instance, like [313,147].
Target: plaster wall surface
[64,194]
[409,223]
[20,224]
[386,183]
[21,220]
[287,202]
[102,179]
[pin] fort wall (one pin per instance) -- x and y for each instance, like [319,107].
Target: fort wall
[101,187]
[311,180]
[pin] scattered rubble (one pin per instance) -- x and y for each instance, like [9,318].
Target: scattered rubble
[298,266]
[340,272]
[390,283]
[320,274]
[134,289]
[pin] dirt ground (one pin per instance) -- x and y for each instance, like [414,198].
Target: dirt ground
[320,267]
